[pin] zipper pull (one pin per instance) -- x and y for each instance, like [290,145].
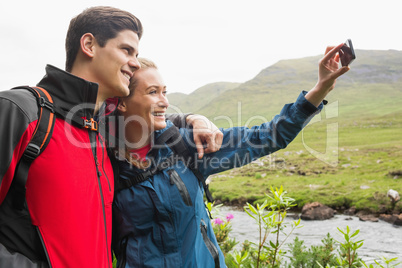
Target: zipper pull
[97,167]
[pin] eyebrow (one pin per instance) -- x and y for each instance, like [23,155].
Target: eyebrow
[155,87]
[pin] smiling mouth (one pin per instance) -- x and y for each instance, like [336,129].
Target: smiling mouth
[127,76]
[158,114]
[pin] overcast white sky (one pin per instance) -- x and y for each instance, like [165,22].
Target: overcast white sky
[199,42]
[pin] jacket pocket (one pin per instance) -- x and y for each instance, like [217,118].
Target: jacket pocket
[210,245]
[176,179]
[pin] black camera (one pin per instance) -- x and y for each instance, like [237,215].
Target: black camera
[347,53]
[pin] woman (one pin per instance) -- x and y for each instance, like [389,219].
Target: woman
[161,221]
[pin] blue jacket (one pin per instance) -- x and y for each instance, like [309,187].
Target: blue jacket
[163,222]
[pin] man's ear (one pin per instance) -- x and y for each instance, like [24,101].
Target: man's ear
[122,107]
[87,43]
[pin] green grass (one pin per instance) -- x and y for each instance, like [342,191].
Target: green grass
[369,149]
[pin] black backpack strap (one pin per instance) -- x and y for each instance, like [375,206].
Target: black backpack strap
[179,147]
[39,141]
[133,180]
[138,177]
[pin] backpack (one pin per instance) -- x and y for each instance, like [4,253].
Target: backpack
[16,229]
[180,150]
[40,139]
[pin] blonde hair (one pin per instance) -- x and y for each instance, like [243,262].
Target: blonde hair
[145,64]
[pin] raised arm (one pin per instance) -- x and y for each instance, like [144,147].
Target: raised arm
[242,145]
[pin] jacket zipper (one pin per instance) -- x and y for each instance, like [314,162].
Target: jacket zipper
[176,179]
[93,136]
[103,161]
[211,247]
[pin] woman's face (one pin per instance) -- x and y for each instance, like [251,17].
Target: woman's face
[146,107]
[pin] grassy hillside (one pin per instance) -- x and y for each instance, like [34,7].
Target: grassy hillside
[363,120]
[367,163]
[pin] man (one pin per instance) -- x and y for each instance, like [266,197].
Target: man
[66,219]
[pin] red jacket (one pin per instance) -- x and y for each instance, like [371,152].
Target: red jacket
[69,191]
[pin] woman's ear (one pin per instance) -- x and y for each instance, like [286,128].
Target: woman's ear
[122,107]
[87,43]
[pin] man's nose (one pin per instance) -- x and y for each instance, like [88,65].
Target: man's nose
[134,64]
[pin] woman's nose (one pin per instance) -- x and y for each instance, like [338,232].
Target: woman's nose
[163,101]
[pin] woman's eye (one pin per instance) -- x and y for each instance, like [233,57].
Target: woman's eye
[164,92]
[152,92]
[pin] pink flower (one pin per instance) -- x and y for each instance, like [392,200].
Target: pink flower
[229,216]
[218,221]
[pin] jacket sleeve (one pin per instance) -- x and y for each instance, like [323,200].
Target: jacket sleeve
[242,145]
[179,120]
[18,114]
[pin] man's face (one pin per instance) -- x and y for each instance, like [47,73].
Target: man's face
[115,63]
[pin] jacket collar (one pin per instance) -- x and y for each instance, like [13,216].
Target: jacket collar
[155,155]
[72,95]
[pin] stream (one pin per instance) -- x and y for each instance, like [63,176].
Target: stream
[380,238]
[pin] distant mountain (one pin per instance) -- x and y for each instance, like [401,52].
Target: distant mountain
[201,97]
[373,86]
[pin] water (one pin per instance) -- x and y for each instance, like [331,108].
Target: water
[380,238]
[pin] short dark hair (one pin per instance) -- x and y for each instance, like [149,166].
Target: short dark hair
[104,23]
